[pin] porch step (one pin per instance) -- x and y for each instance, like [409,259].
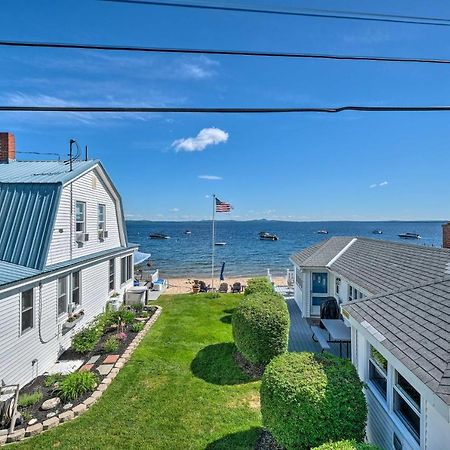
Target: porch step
[319,337]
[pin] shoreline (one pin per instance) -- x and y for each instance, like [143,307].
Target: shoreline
[183,285]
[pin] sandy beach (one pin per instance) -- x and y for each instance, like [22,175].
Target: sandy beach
[184,285]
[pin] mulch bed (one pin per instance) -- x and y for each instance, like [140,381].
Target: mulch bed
[267,442]
[34,411]
[254,371]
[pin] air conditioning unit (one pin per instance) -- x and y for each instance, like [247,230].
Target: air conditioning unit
[82,237]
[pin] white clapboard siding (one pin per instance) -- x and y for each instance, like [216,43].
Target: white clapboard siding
[45,342]
[89,189]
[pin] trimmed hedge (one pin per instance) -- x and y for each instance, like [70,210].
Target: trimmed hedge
[346,445]
[308,399]
[258,286]
[261,327]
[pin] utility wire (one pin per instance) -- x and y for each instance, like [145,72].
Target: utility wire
[292,11]
[292,55]
[124,109]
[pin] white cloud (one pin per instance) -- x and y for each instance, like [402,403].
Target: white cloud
[382,184]
[210,177]
[175,209]
[206,137]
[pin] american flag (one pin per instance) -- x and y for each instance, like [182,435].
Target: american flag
[222,207]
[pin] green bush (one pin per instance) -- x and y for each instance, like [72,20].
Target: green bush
[86,339]
[111,344]
[50,380]
[137,326]
[346,445]
[76,384]
[259,285]
[29,399]
[261,327]
[308,399]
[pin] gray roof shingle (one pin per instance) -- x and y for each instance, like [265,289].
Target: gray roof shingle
[421,339]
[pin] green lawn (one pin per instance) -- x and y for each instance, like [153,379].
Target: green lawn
[180,390]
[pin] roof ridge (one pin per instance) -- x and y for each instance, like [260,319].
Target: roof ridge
[335,258]
[403,244]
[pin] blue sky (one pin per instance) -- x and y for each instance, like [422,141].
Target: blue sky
[354,166]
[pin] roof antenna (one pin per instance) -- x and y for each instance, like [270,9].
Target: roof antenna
[71,142]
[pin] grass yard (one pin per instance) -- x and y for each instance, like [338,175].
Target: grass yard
[180,390]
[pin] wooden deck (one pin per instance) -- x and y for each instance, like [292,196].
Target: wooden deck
[300,336]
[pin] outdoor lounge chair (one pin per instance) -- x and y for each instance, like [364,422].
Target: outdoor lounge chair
[236,288]
[203,287]
[223,288]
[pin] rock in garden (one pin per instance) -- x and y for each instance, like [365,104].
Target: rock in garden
[51,403]
[67,406]
[50,415]
[32,421]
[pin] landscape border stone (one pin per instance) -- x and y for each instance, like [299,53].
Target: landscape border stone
[40,427]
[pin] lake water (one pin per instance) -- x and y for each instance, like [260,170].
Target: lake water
[245,254]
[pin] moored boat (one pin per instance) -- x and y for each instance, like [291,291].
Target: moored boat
[188,232]
[322,232]
[158,236]
[265,236]
[409,236]
[220,244]
[377,232]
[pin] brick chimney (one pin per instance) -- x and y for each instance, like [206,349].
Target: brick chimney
[446,235]
[7,147]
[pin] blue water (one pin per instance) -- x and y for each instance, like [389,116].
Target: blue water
[245,254]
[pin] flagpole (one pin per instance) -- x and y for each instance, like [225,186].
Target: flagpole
[213,240]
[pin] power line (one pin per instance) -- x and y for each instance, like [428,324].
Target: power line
[250,53]
[125,109]
[330,14]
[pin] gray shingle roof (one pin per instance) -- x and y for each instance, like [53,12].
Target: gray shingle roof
[320,254]
[375,265]
[415,326]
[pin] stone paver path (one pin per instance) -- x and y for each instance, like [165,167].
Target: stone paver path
[111,359]
[104,369]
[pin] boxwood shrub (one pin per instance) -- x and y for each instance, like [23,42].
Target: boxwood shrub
[346,445]
[261,327]
[308,399]
[258,285]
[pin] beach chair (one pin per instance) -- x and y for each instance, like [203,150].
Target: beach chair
[236,288]
[203,287]
[223,288]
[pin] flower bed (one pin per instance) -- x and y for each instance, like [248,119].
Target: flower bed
[42,403]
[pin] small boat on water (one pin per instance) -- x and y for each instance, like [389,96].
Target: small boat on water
[220,244]
[158,236]
[377,232]
[188,232]
[322,232]
[409,236]
[265,236]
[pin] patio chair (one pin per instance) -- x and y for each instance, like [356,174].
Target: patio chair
[223,288]
[236,288]
[203,287]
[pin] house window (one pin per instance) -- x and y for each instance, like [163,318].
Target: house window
[407,405]
[126,269]
[378,371]
[76,296]
[320,283]
[80,217]
[101,218]
[112,274]
[338,285]
[62,296]
[350,293]
[27,310]
[298,278]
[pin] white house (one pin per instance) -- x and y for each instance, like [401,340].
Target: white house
[63,248]
[396,298]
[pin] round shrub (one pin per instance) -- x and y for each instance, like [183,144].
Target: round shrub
[308,399]
[258,285]
[76,384]
[346,445]
[261,327]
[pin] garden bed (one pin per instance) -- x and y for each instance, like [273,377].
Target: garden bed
[97,361]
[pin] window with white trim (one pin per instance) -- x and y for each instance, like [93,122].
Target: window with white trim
[378,367]
[27,310]
[62,296]
[126,269]
[101,218]
[112,274]
[76,288]
[407,405]
[80,217]
[337,285]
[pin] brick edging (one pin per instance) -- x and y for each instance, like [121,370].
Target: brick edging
[70,414]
